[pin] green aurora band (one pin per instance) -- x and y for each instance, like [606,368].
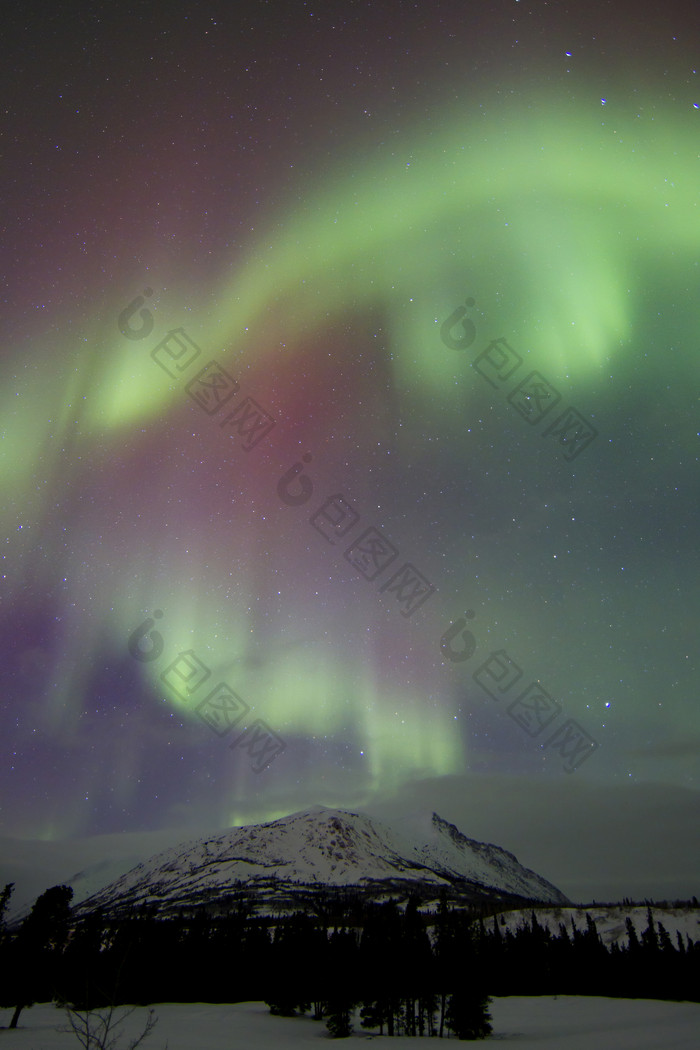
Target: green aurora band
[558,220]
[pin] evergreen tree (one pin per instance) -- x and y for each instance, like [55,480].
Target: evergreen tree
[665,943]
[468,1014]
[48,922]
[650,941]
[373,1015]
[428,1005]
[379,960]
[32,957]
[286,1007]
[632,938]
[4,903]
[338,1020]
[83,974]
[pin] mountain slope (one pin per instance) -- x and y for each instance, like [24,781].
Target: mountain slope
[287,860]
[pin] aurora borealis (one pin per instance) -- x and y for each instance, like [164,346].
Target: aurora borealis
[305,198]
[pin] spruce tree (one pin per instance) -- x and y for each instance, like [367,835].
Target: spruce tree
[650,940]
[632,939]
[373,1015]
[665,943]
[338,1020]
[4,903]
[32,957]
[468,1014]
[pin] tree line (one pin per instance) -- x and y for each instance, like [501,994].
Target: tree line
[405,970]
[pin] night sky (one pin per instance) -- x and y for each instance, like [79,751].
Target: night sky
[349,417]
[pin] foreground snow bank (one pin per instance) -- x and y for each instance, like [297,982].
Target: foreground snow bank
[538,1023]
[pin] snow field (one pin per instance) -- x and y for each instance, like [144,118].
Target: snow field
[537,1023]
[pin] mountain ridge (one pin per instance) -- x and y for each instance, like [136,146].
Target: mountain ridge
[287,862]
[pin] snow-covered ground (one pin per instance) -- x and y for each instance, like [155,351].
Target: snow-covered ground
[538,1023]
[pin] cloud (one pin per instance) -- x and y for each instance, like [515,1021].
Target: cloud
[594,841]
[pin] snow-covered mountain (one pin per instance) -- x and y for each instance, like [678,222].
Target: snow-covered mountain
[287,863]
